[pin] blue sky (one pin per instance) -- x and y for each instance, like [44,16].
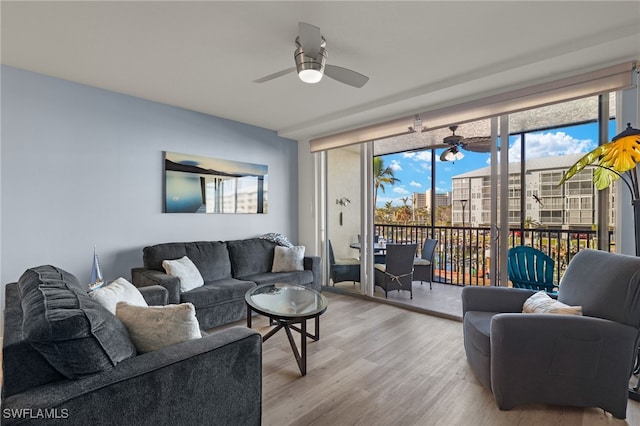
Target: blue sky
[414,168]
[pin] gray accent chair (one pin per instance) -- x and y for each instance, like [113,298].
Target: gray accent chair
[343,269]
[423,265]
[397,273]
[581,361]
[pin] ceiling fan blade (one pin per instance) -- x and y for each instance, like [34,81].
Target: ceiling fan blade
[346,76]
[477,144]
[310,39]
[274,75]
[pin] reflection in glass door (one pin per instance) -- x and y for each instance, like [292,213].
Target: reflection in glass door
[343,235]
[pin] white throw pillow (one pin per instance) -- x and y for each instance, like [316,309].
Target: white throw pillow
[288,259]
[119,290]
[154,327]
[542,303]
[186,271]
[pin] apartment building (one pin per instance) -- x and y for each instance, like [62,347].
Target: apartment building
[423,199]
[571,205]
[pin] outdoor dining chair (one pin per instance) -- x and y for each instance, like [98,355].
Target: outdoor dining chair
[343,269]
[423,265]
[397,272]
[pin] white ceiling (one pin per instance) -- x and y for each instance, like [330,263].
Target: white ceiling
[419,55]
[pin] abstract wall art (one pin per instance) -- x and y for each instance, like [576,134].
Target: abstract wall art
[196,184]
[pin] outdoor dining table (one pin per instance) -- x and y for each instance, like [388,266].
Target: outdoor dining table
[379,251]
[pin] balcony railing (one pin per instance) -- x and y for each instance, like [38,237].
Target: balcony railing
[462,256]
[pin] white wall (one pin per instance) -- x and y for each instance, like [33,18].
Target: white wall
[343,180]
[82,166]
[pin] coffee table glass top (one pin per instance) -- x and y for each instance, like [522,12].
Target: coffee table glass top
[286,300]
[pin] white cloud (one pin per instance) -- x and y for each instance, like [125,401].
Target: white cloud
[400,190]
[416,184]
[395,165]
[550,145]
[418,156]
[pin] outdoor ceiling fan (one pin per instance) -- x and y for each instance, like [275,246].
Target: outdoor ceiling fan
[310,58]
[455,142]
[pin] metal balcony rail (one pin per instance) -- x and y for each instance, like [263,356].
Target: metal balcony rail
[462,256]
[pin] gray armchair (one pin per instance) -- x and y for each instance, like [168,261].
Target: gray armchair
[397,273]
[582,361]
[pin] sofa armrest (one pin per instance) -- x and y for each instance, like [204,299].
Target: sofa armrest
[566,359]
[494,299]
[213,380]
[314,264]
[141,277]
[155,295]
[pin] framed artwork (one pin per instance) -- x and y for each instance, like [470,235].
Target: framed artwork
[195,184]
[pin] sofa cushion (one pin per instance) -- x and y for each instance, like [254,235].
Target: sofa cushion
[154,327]
[119,290]
[617,298]
[298,277]
[210,257]
[73,332]
[251,256]
[216,292]
[23,367]
[477,330]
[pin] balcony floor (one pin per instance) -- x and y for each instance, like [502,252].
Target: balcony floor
[443,300]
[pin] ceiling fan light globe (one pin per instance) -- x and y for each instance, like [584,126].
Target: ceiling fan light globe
[310,76]
[310,70]
[449,156]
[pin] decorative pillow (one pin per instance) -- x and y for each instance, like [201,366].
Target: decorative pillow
[154,327]
[73,332]
[288,259]
[186,271]
[119,290]
[279,239]
[541,303]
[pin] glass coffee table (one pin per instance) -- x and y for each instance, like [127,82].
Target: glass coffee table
[287,305]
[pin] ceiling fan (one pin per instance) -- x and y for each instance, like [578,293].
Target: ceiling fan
[455,142]
[310,58]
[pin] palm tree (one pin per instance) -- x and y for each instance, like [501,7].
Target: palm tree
[381,175]
[403,214]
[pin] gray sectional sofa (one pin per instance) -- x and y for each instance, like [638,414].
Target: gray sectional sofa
[67,360]
[229,269]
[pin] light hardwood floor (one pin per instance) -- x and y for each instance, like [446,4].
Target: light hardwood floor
[377,364]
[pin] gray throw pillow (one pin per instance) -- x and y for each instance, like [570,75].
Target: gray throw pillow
[74,333]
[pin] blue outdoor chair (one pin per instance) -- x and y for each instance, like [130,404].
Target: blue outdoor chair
[531,269]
